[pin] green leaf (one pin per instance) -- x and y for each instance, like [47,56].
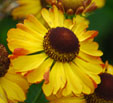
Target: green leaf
[6,24]
[35,94]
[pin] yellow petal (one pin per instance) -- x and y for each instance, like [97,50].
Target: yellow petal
[27,63]
[110,69]
[68,24]
[26,7]
[69,99]
[92,70]
[57,78]
[73,82]
[99,3]
[89,58]
[86,82]
[33,23]
[47,89]
[90,67]
[87,35]
[25,40]
[16,78]
[37,75]
[13,91]
[53,17]
[47,17]
[90,48]
[79,19]
[3,98]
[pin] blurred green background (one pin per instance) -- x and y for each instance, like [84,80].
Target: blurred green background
[101,20]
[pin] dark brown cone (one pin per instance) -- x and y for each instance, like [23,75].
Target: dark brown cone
[4,61]
[63,40]
[105,89]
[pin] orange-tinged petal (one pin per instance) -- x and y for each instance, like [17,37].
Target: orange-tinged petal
[88,35]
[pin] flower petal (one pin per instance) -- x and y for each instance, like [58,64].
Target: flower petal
[73,82]
[90,67]
[26,7]
[3,98]
[27,63]
[16,78]
[13,91]
[57,78]
[86,82]
[24,39]
[90,47]
[37,75]
[53,17]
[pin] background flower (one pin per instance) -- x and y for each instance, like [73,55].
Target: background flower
[13,87]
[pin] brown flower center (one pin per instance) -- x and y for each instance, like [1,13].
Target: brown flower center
[73,4]
[105,89]
[4,61]
[61,44]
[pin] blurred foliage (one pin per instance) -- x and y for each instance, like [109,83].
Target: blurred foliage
[101,20]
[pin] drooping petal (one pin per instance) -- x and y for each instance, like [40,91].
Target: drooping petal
[37,74]
[18,38]
[27,63]
[90,47]
[13,91]
[16,78]
[89,58]
[73,81]
[57,79]
[3,98]
[86,82]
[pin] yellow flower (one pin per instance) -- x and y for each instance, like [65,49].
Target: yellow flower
[104,92]
[68,99]
[27,7]
[12,85]
[62,54]
[99,3]
[78,6]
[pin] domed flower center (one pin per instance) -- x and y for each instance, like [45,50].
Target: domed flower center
[71,4]
[61,44]
[105,89]
[4,61]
